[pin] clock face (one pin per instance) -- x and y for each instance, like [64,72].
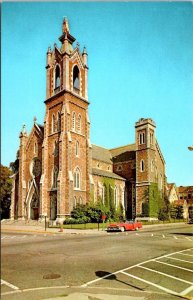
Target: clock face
[36,167]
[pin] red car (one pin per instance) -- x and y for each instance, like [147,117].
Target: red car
[123,226]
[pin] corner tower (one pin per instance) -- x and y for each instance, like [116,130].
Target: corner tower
[66,146]
[145,160]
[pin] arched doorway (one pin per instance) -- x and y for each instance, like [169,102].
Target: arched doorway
[53,207]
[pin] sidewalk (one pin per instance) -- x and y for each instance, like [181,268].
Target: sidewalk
[39,228]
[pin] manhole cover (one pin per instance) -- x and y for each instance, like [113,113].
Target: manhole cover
[51,276]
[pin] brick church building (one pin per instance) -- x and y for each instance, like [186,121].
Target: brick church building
[58,165]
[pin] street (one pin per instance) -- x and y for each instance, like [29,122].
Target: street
[157,261]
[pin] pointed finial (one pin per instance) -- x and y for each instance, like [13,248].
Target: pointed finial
[65,26]
[35,119]
[84,50]
[23,129]
[49,50]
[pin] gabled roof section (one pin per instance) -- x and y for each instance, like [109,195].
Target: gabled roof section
[108,174]
[185,189]
[38,129]
[101,154]
[75,55]
[123,149]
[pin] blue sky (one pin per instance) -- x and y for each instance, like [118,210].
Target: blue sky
[140,58]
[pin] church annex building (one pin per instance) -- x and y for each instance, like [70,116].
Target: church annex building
[59,167]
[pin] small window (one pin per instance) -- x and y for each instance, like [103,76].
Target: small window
[119,168]
[79,123]
[80,200]
[77,179]
[57,77]
[76,84]
[142,138]
[142,166]
[77,149]
[73,121]
[59,122]
[151,138]
[53,123]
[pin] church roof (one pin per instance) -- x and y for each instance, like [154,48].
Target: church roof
[102,154]
[120,150]
[108,174]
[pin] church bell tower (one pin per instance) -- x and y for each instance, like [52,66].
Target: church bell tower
[66,147]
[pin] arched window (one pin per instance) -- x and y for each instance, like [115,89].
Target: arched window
[59,121]
[53,123]
[73,121]
[76,84]
[77,178]
[116,196]
[77,148]
[79,123]
[57,77]
[80,200]
[55,177]
[142,138]
[142,165]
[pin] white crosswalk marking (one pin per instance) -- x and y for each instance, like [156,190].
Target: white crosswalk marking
[9,285]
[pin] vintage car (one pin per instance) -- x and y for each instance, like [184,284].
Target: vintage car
[124,226]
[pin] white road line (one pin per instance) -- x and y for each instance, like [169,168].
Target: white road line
[152,234]
[190,262]
[4,237]
[188,239]
[13,237]
[137,234]
[173,277]
[174,266]
[186,291]
[175,237]
[142,263]
[24,236]
[163,235]
[151,283]
[185,254]
[9,285]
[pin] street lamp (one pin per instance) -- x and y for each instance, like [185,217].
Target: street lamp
[190,148]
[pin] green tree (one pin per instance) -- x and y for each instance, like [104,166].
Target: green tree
[5,194]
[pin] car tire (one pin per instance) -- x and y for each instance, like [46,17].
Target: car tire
[122,229]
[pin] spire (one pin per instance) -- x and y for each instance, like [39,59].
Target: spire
[23,131]
[84,56]
[35,120]
[65,26]
[66,39]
